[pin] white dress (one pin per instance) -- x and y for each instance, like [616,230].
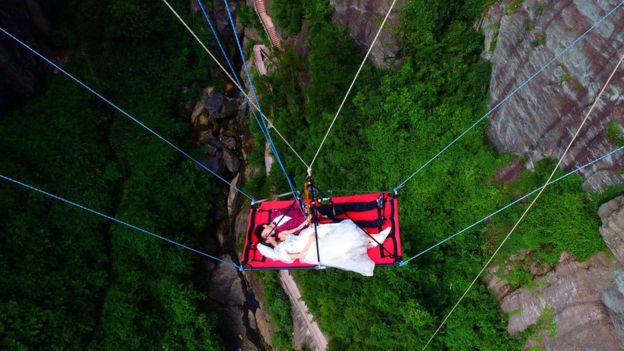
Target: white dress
[341,245]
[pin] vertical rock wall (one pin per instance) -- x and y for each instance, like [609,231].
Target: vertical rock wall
[21,73]
[521,37]
[362,19]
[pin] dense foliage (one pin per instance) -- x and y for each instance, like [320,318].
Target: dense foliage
[72,280]
[75,281]
[395,121]
[288,14]
[278,307]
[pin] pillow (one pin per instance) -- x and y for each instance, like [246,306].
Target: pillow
[278,255]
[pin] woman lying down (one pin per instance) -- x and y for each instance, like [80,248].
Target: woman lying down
[342,245]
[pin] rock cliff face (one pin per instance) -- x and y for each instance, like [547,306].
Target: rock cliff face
[362,18]
[521,37]
[612,230]
[220,126]
[583,300]
[219,123]
[565,305]
[20,72]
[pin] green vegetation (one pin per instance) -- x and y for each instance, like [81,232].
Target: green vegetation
[566,78]
[541,8]
[546,325]
[513,6]
[72,280]
[288,14]
[395,121]
[540,40]
[246,16]
[607,195]
[518,277]
[278,307]
[615,134]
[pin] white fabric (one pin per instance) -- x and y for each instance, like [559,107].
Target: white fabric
[281,220]
[274,254]
[379,237]
[341,245]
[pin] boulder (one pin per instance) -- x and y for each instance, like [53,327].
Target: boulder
[229,142]
[212,101]
[225,286]
[612,230]
[231,161]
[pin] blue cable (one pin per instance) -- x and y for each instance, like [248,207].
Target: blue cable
[253,91]
[516,90]
[403,263]
[124,112]
[231,67]
[144,231]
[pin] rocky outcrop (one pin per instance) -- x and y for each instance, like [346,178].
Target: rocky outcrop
[583,300]
[362,18]
[567,306]
[214,125]
[21,73]
[612,229]
[613,298]
[538,122]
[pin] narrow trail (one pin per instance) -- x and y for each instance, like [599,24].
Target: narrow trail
[302,318]
[267,23]
[121,192]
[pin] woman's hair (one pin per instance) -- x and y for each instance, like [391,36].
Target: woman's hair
[263,241]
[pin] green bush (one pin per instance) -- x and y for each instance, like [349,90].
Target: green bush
[60,264]
[288,14]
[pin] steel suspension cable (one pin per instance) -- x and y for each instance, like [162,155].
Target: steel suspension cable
[255,96]
[238,82]
[510,95]
[229,76]
[123,112]
[118,221]
[357,73]
[552,174]
[516,201]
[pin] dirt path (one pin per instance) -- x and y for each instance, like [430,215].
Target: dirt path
[307,330]
[121,192]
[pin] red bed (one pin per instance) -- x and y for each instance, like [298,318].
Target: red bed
[388,254]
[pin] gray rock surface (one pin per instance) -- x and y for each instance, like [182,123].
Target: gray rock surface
[226,287]
[21,73]
[214,121]
[540,120]
[614,300]
[612,230]
[575,292]
[362,18]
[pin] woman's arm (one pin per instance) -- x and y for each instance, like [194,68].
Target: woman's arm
[305,248]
